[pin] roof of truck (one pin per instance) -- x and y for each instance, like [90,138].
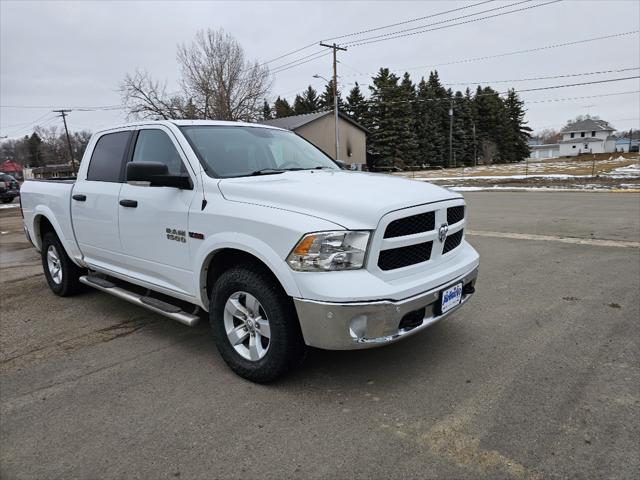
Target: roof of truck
[181,123]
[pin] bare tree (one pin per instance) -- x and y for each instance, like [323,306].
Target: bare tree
[217,83]
[146,98]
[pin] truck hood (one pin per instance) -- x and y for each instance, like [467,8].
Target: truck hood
[353,200]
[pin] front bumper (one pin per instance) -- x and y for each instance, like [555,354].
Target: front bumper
[349,326]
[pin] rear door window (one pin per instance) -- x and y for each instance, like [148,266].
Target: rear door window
[108,155]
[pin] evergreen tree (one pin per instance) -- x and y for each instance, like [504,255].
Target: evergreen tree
[282,108]
[356,105]
[307,102]
[392,138]
[490,125]
[326,99]
[517,133]
[34,144]
[432,121]
[408,147]
[462,129]
[266,111]
[382,123]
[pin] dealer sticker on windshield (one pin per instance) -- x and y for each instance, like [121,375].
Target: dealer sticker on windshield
[451,297]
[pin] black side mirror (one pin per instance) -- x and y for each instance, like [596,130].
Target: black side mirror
[157,175]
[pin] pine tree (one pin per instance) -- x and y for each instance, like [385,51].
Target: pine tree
[326,99]
[383,124]
[307,102]
[282,108]
[432,121]
[266,111]
[408,147]
[391,120]
[356,105]
[490,125]
[35,150]
[517,133]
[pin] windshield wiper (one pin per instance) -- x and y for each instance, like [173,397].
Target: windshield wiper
[267,171]
[272,171]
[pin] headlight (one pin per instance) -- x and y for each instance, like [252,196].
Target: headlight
[342,250]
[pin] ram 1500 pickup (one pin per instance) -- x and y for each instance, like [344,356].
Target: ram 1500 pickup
[259,228]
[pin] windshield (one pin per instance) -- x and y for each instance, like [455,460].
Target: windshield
[243,151]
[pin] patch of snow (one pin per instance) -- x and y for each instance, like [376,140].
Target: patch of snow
[9,205]
[632,170]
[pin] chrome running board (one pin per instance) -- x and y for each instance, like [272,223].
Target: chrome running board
[158,306]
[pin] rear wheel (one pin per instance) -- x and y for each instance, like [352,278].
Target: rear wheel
[61,273]
[255,325]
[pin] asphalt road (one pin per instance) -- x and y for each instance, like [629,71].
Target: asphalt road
[537,377]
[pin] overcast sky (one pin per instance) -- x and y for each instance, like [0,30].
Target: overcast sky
[74,54]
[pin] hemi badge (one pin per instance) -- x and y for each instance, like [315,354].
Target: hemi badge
[199,236]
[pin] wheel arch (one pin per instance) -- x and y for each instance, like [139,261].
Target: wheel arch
[227,256]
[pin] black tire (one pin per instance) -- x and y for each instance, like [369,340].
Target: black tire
[69,283]
[8,199]
[286,349]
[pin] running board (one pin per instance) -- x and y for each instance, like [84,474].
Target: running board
[163,308]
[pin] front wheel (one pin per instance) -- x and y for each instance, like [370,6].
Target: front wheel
[61,273]
[255,325]
[8,199]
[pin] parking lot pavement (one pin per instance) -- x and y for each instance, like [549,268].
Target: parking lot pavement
[537,377]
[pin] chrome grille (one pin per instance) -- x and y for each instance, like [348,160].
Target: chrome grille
[423,222]
[404,256]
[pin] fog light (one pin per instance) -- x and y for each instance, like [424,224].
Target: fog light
[358,326]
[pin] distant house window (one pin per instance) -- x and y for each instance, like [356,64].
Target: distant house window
[573,146]
[593,133]
[586,146]
[582,134]
[573,134]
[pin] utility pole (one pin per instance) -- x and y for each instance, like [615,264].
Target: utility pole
[335,49]
[451,133]
[63,114]
[630,139]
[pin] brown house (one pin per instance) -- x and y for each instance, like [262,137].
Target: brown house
[319,129]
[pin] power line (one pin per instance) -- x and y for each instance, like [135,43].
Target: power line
[278,67]
[29,125]
[565,99]
[545,77]
[448,20]
[83,109]
[506,54]
[358,43]
[323,54]
[550,87]
[574,84]
[417,19]
[298,50]
[549,77]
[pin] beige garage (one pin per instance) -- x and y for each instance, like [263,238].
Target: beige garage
[319,129]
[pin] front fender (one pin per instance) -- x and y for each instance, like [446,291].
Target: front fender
[248,244]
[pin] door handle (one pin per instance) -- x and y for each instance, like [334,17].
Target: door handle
[129,203]
[79,198]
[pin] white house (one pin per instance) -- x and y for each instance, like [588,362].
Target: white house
[587,136]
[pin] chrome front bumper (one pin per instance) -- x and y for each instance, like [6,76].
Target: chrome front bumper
[349,326]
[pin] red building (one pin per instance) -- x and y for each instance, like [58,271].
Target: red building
[12,168]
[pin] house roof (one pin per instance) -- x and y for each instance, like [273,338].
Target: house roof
[296,121]
[588,124]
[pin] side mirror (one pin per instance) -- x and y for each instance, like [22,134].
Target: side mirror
[155,174]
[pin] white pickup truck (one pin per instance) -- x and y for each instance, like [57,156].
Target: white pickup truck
[259,228]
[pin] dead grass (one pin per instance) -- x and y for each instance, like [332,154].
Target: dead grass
[582,165]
